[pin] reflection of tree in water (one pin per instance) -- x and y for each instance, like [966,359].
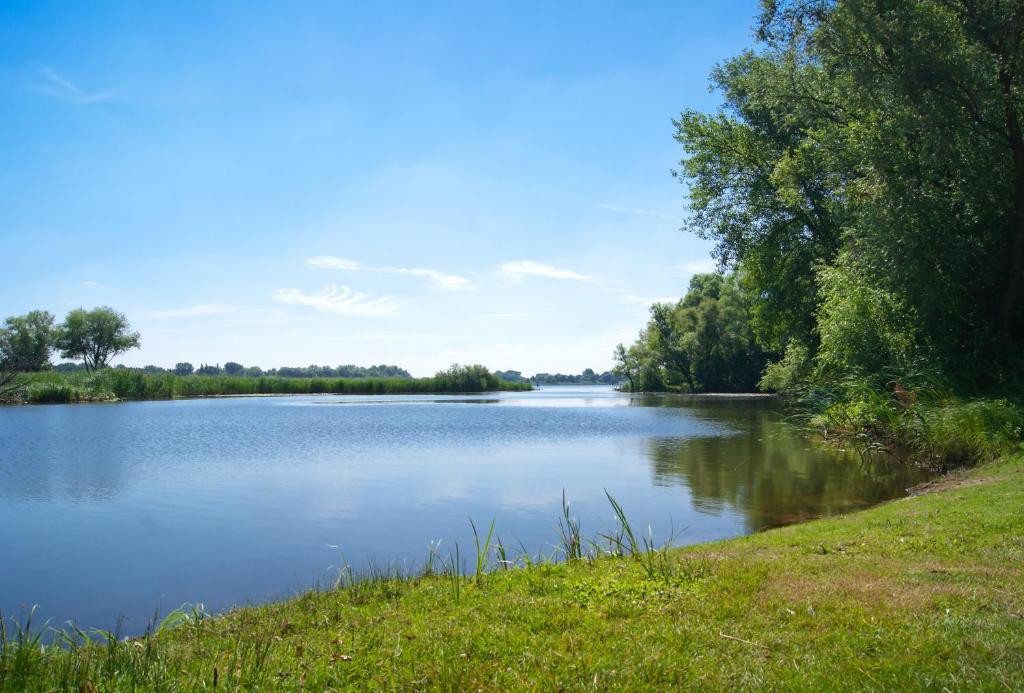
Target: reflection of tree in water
[764,471]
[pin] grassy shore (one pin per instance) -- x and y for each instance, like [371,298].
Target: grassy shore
[925,592]
[116,384]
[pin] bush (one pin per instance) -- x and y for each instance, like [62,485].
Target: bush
[919,421]
[789,373]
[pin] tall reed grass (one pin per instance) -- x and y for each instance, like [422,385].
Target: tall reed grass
[120,384]
[915,417]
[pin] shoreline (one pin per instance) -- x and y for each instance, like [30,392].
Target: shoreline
[826,600]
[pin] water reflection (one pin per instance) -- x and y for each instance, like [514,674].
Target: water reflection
[235,500]
[765,471]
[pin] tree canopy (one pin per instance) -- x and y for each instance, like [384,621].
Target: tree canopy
[95,336]
[865,177]
[25,342]
[702,343]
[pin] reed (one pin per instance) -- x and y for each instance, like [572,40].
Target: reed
[124,384]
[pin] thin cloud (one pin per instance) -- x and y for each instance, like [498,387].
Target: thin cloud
[508,316]
[445,281]
[198,310]
[56,85]
[634,210]
[521,268]
[340,301]
[330,262]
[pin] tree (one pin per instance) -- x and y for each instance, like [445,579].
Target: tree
[232,368]
[629,364]
[702,343]
[95,336]
[183,368]
[25,342]
[865,176]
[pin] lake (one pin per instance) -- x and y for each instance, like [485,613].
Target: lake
[114,511]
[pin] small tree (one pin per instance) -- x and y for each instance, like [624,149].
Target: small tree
[25,342]
[232,368]
[183,368]
[95,336]
[628,364]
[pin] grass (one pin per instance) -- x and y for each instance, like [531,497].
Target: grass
[920,421]
[120,384]
[921,593]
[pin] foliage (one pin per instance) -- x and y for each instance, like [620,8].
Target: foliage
[917,418]
[863,327]
[135,384]
[473,378]
[790,373]
[866,174]
[95,336]
[935,579]
[704,343]
[25,342]
[587,377]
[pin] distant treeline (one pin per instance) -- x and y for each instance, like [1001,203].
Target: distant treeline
[53,387]
[587,377]
[237,369]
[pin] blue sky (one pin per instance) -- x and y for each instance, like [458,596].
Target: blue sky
[408,183]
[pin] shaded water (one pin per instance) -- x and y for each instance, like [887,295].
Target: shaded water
[121,509]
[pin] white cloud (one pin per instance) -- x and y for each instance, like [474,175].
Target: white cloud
[445,281]
[634,210]
[55,84]
[340,301]
[334,263]
[529,267]
[90,284]
[198,310]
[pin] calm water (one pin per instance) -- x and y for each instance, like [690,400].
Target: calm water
[119,509]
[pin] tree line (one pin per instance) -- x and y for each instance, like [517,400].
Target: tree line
[863,183]
[234,368]
[588,377]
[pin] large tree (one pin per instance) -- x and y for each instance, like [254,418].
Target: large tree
[869,161]
[25,342]
[95,336]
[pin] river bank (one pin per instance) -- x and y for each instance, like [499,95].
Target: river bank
[920,592]
[114,384]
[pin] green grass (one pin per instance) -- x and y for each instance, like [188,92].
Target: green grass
[918,422]
[921,593]
[116,384]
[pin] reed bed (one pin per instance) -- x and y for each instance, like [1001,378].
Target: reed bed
[121,384]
